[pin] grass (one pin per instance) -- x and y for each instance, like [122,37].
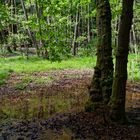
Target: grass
[27,79]
[34,64]
[4,73]
[19,64]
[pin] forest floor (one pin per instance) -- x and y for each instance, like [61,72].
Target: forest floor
[50,106]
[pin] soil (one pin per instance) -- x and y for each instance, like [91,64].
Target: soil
[71,123]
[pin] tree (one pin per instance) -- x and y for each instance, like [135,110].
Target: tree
[56,29]
[117,101]
[28,29]
[101,86]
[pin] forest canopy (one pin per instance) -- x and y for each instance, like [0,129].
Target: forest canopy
[57,29]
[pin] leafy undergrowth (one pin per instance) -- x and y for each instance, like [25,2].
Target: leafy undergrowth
[50,106]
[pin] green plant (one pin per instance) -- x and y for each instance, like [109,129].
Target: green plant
[4,75]
[21,86]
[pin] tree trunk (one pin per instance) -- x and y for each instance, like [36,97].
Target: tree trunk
[39,16]
[88,26]
[117,101]
[101,86]
[28,29]
[75,34]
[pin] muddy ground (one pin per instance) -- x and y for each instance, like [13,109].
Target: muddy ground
[50,106]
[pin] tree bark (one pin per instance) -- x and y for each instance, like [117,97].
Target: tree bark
[75,34]
[101,85]
[39,16]
[117,101]
[28,29]
[88,24]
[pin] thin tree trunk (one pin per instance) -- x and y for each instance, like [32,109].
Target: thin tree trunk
[75,33]
[28,29]
[88,27]
[134,42]
[117,101]
[14,25]
[38,21]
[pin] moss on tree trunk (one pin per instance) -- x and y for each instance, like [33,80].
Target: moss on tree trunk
[101,85]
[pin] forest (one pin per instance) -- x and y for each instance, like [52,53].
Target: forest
[69,69]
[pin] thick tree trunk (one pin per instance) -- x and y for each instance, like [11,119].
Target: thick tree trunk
[101,86]
[117,101]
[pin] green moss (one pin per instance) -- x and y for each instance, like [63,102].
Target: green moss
[91,106]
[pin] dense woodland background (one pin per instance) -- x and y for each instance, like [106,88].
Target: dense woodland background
[57,29]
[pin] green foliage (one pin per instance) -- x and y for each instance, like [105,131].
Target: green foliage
[4,16]
[2,50]
[17,39]
[51,25]
[4,73]
[89,50]
[134,67]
